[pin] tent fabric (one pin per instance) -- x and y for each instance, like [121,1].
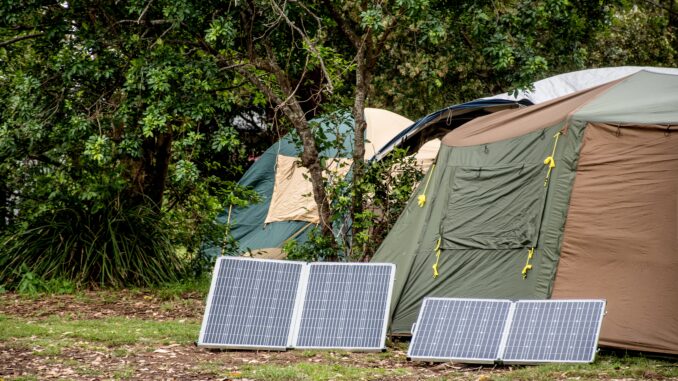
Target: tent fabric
[478,272]
[621,235]
[382,126]
[285,211]
[655,101]
[248,225]
[451,117]
[511,123]
[427,154]
[494,207]
[563,84]
[292,198]
[608,227]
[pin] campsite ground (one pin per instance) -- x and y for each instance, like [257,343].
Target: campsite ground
[149,334]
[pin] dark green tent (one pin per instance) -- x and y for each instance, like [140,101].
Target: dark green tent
[572,198]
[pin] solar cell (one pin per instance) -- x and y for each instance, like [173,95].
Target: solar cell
[554,331]
[345,306]
[465,330]
[251,304]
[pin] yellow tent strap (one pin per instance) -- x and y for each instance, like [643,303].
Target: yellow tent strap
[551,161]
[421,200]
[528,266]
[435,265]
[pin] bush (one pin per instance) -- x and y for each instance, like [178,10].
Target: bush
[117,246]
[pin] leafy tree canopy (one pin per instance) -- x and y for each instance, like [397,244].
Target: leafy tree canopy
[117,126]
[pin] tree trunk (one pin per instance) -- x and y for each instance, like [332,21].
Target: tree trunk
[157,154]
[309,155]
[363,77]
[310,160]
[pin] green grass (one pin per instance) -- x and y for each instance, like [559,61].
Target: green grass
[124,373]
[317,372]
[52,340]
[114,331]
[24,378]
[605,367]
[175,290]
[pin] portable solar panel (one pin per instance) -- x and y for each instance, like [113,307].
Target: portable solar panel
[345,306]
[464,330]
[251,304]
[554,331]
[523,332]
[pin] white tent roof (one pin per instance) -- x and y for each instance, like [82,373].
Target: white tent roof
[563,84]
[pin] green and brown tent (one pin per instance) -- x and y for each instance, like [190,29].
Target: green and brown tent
[573,198]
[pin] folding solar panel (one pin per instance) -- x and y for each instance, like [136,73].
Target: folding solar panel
[464,330]
[523,332]
[251,304]
[554,331]
[345,306]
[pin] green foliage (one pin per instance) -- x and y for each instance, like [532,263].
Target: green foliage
[316,248]
[118,245]
[637,36]
[178,290]
[388,185]
[32,285]
[118,128]
[117,143]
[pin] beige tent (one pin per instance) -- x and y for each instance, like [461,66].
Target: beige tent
[288,210]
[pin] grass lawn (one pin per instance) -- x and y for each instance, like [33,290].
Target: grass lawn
[150,334]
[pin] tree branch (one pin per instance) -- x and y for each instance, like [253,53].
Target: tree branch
[259,84]
[143,13]
[343,24]
[152,22]
[20,38]
[669,10]
[311,45]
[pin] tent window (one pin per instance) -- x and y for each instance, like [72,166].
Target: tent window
[494,208]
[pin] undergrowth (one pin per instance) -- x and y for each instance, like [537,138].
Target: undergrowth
[118,246]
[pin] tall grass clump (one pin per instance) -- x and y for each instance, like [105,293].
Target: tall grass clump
[115,246]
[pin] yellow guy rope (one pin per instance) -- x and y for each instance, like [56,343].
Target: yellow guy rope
[421,200]
[551,161]
[435,265]
[528,266]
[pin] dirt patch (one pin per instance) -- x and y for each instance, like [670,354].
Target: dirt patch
[183,362]
[103,304]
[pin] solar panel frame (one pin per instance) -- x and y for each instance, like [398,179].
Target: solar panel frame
[599,307]
[299,323]
[414,354]
[210,303]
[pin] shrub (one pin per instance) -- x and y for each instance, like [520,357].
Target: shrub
[117,246]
